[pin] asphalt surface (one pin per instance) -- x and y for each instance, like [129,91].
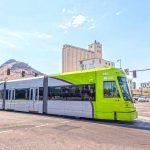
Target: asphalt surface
[20,131]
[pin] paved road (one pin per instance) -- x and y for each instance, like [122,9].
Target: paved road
[143,108]
[20,131]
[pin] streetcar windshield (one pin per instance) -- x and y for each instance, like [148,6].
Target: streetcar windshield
[124,88]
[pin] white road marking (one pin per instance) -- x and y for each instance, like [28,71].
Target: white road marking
[144,118]
[6,131]
[21,122]
[42,125]
[64,122]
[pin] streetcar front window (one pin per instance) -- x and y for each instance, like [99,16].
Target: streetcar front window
[110,89]
[124,88]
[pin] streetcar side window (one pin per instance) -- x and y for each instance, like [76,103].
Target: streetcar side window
[22,94]
[1,94]
[110,89]
[72,92]
[7,95]
[41,93]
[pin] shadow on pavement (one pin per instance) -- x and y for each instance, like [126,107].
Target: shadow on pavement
[136,124]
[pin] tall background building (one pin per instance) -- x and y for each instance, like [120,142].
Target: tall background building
[76,58]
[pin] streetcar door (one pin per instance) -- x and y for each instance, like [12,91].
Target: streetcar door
[11,99]
[34,99]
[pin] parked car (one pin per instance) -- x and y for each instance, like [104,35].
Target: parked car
[143,99]
[135,98]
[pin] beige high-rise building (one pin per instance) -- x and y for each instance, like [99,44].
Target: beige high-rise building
[76,58]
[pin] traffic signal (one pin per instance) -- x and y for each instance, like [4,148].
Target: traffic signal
[23,73]
[134,74]
[8,72]
[35,74]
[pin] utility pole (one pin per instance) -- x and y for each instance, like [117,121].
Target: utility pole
[4,95]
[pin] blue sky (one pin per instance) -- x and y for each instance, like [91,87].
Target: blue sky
[34,31]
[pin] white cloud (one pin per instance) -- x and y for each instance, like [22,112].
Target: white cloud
[66,32]
[8,44]
[22,35]
[43,35]
[78,20]
[69,10]
[65,26]
[16,39]
[72,11]
[91,27]
[63,10]
[91,23]
[118,13]
[35,35]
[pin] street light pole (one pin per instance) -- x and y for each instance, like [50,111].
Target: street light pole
[119,60]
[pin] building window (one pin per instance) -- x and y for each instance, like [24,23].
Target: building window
[100,61]
[82,66]
[93,61]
